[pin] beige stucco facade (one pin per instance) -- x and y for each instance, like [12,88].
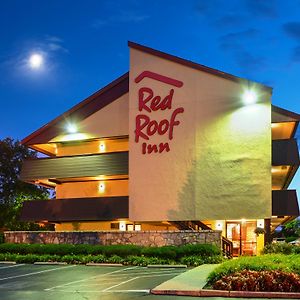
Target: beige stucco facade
[218,159]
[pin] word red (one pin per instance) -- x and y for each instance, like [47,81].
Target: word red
[145,126]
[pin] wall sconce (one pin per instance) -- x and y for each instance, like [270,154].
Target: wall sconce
[122,226]
[102,147]
[219,225]
[101,187]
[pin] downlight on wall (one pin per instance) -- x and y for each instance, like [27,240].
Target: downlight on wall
[101,187]
[71,128]
[249,97]
[102,147]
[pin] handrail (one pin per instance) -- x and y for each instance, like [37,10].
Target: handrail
[227,247]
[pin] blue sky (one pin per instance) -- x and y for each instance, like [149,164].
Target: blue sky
[84,44]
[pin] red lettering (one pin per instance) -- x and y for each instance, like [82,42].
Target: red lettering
[164,146]
[163,127]
[155,103]
[152,148]
[167,101]
[143,100]
[139,126]
[173,123]
[152,127]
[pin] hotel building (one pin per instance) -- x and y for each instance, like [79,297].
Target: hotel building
[170,145]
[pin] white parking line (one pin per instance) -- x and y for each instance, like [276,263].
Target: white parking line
[89,278]
[114,291]
[123,282]
[34,273]
[13,266]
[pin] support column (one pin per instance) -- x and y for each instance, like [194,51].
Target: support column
[268,238]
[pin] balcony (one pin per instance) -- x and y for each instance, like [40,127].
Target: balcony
[81,167]
[78,209]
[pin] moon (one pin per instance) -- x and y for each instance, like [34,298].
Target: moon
[36,61]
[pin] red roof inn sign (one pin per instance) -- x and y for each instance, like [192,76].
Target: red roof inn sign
[148,103]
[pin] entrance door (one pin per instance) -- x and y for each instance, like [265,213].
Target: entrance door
[242,236]
[233,233]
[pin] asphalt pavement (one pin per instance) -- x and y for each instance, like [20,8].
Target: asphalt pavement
[49,282]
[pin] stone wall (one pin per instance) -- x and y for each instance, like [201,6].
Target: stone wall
[143,238]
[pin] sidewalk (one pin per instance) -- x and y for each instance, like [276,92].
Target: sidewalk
[193,280]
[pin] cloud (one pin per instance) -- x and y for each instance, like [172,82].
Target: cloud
[235,43]
[292,29]
[231,19]
[54,44]
[123,17]
[234,39]
[264,8]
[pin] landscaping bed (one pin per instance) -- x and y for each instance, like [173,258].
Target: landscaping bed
[266,273]
[191,255]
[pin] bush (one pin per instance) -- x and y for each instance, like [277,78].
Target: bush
[291,239]
[269,281]
[1,237]
[269,262]
[165,252]
[283,248]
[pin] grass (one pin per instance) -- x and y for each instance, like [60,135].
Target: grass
[268,262]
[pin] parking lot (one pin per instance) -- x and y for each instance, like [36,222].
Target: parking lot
[25,281]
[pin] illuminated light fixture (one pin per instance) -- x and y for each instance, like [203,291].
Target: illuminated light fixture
[243,221]
[249,97]
[122,226]
[102,147]
[261,223]
[274,125]
[219,225]
[71,128]
[101,187]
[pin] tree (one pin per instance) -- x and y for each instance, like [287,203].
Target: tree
[292,228]
[13,192]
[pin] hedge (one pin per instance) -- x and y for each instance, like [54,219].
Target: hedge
[100,258]
[165,252]
[281,247]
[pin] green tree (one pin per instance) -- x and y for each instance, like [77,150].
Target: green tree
[292,228]
[13,192]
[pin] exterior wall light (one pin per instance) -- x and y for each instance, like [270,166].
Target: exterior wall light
[122,226]
[71,128]
[219,225]
[102,147]
[249,97]
[101,187]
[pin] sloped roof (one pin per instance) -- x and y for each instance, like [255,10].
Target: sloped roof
[283,115]
[82,110]
[193,65]
[119,87]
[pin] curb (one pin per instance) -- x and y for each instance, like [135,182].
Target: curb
[49,263]
[167,266]
[8,262]
[221,293]
[104,265]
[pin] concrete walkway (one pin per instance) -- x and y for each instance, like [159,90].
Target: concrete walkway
[192,280]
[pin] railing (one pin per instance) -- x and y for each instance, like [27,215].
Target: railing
[227,247]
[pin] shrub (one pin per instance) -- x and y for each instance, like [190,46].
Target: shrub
[270,281]
[283,248]
[291,239]
[1,237]
[166,252]
[192,261]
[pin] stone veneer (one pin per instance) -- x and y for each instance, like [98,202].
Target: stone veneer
[143,238]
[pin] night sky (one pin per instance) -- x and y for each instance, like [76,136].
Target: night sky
[84,46]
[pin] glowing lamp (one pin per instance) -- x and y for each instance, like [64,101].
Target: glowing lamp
[122,226]
[249,97]
[101,187]
[71,128]
[102,147]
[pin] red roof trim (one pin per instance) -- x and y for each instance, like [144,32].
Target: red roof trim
[191,64]
[82,110]
[286,112]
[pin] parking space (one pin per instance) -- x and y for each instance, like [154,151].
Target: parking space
[26,281]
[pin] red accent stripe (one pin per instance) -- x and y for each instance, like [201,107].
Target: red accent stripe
[158,77]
